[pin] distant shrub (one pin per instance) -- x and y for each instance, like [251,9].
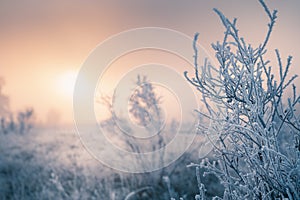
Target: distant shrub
[249,118]
[144,107]
[20,124]
[4,101]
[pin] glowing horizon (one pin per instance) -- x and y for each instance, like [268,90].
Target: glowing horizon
[43,43]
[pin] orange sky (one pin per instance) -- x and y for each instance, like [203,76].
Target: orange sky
[42,40]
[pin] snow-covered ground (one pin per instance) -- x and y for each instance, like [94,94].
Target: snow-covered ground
[54,163]
[89,148]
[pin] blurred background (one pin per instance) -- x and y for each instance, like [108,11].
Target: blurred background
[44,43]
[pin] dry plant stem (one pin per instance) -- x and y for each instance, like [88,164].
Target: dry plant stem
[244,103]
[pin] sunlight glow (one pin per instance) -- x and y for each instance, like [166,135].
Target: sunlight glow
[66,82]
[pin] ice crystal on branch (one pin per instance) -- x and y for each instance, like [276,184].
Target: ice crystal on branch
[245,105]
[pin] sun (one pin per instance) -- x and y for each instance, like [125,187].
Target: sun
[66,82]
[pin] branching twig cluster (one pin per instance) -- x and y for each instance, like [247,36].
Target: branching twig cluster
[245,105]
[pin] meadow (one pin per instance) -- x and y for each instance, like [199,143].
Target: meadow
[52,163]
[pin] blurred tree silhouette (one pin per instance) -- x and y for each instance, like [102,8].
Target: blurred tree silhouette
[144,105]
[4,100]
[22,123]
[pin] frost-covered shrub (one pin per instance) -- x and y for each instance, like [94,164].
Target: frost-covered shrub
[249,118]
[145,111]
[4,100]
[22,123]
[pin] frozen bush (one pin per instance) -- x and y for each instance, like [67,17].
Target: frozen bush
[4,101]
[145,110]
[144,107]
[22,123]
[246,104]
